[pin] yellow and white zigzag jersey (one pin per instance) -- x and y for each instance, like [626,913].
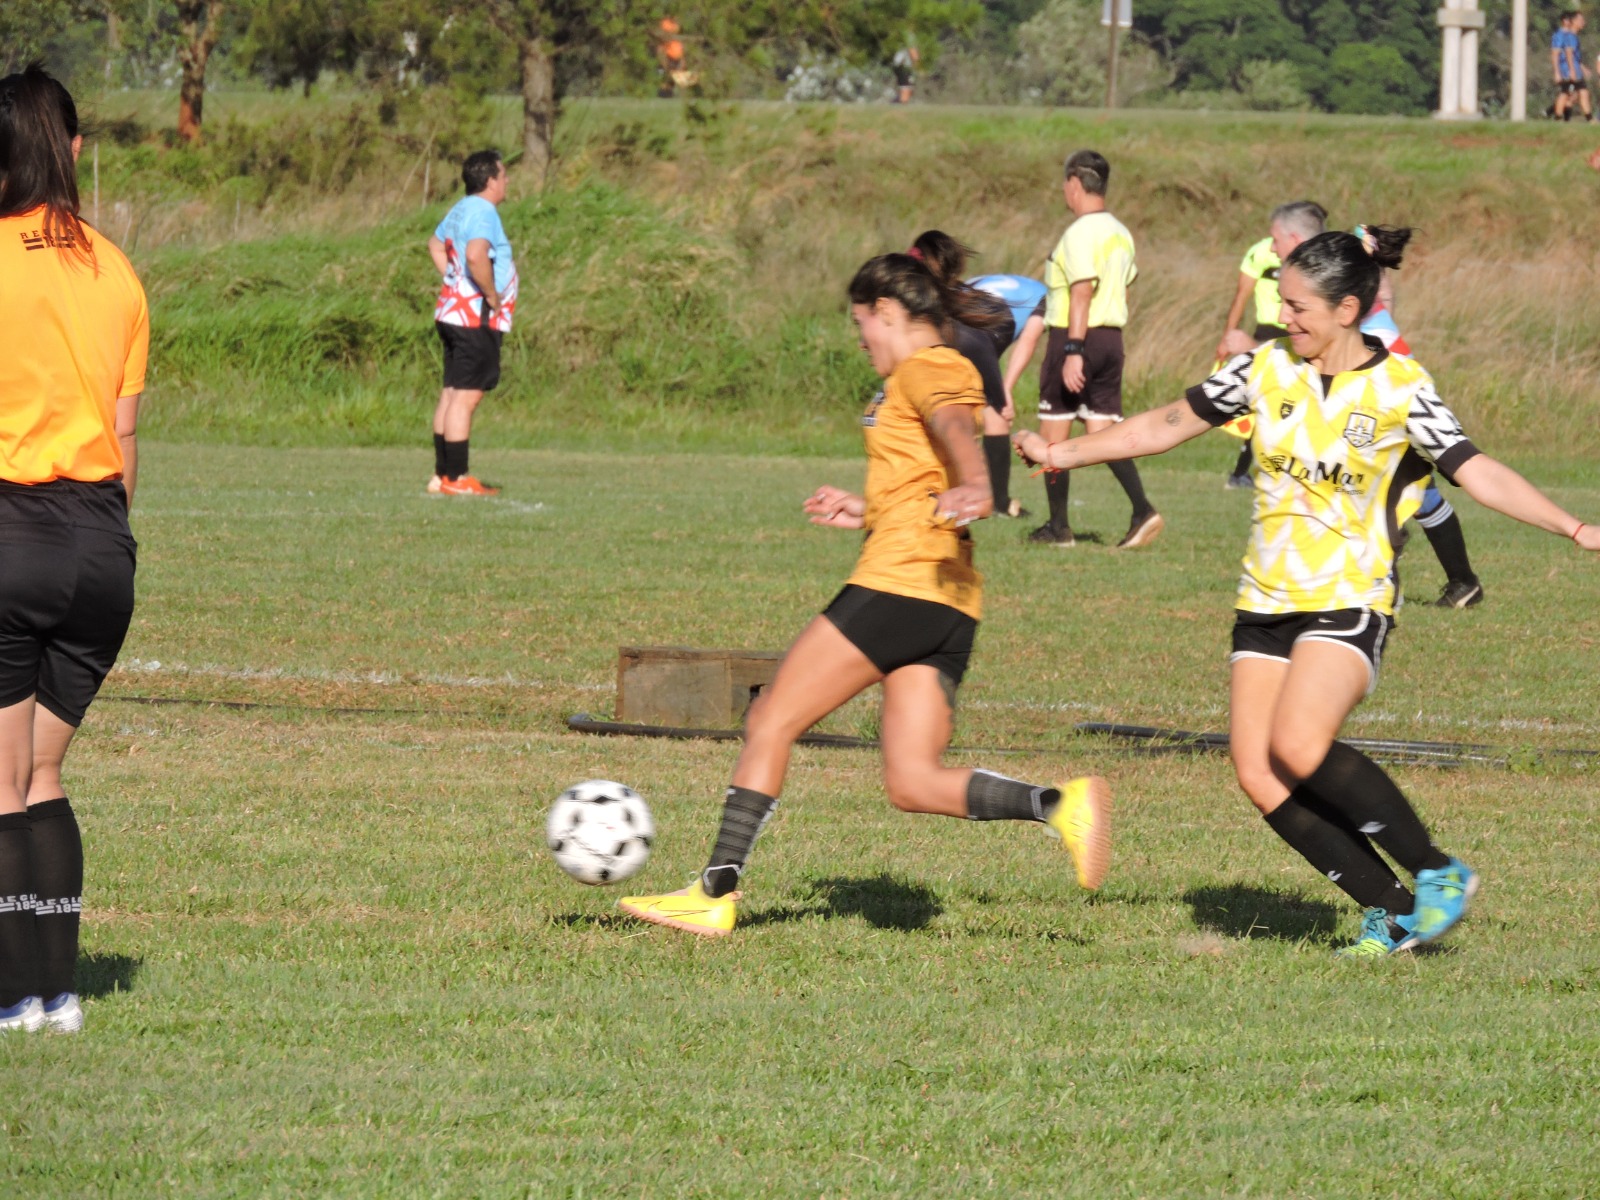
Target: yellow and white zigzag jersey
[1341,463]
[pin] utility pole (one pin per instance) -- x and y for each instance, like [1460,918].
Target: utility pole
[1114,14]
[1519,60]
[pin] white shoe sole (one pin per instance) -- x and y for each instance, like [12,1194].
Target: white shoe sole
[66,1019]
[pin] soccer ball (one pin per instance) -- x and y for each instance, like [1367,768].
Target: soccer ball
[600,831]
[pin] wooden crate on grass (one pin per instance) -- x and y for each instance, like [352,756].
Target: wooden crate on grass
[686,687]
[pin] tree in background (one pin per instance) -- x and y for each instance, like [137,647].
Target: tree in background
[200,23]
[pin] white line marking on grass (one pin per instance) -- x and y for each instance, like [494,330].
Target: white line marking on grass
[136,666]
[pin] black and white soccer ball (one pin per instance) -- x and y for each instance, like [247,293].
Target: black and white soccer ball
[600,831]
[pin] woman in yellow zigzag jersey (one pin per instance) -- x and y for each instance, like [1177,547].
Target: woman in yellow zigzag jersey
[1344,435]
[907,615]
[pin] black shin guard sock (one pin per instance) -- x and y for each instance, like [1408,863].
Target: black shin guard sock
[1128,476]
[997,454]
[19,948]
[1358,788]
[744,812]
[58,882]
[455,459]
[1057,485]
[992,797]
[1242,465]
[438,455]
[1450,544]
[1339,852]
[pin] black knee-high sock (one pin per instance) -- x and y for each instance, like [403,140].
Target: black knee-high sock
[1450,544]
[58,880]
[455,459]
[1355,786]
[1057,485]
[439,463]
[1242,466]
[1128,476]
[992,797]
[997,453]
[19,945]
[744,812]
[1341,853]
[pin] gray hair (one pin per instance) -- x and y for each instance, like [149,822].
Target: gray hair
[1305,217]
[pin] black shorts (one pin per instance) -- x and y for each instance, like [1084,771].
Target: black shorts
[471,356]
[899,631]
[1274,635]
[1568,86]
[1102,369]
[66,591]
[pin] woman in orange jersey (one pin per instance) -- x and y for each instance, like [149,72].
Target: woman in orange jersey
[907,615]
[70,379]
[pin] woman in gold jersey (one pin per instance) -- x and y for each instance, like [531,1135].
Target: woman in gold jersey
[907,615]
[1346,434]
[70,379]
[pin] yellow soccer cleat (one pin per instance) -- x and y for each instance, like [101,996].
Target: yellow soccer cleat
[688,909]
[1083,819]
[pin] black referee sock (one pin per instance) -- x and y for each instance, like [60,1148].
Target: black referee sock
[438,455]
[997,453]
[744,813]
[58,881]
[455,459]
[1128,476]
[1359,790]
[1242,465]
[1345,856]
[992,797]
[1449,542]
[19,944]
[1057,484]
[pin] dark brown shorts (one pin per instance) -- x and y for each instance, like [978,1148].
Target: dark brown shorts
[1102,386]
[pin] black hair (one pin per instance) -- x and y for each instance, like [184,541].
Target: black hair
[479,169]
[38,121]
[947,258]
[906,279]
[1090,168]
[1337,264]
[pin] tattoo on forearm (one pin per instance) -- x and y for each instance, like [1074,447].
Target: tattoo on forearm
[1173,416]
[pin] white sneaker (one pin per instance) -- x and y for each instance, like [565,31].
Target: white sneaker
[63,1014]
[26,1014]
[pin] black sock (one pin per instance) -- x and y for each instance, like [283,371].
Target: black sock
[997,452]
[992,797]
[58,880]
[455,459]
[1242,466]
[1341,853]
[19,946]
[1128,476]
[1358,788]
[744,812]
[1056,486]
[1450,544]
[438,455]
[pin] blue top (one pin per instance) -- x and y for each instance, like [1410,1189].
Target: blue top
[1567,67]
[474,217]
[1020,294]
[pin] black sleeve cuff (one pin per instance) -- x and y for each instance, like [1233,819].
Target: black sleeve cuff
[1205,409]
[1450,461]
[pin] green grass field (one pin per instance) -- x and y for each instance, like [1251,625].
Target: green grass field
[326,955]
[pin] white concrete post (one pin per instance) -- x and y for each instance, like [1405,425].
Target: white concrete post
[1458,63]
[1450,62]
[1519,60]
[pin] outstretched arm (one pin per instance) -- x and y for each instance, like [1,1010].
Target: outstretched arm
[1152,432]
[969,498]
[1494,485]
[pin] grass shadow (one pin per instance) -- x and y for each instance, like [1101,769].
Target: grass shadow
[882,901]
[1240,911]
[106,974]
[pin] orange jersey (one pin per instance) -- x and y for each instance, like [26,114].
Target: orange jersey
[78,334]
[908,551]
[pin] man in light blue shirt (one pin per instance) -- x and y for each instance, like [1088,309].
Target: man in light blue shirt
[477,296]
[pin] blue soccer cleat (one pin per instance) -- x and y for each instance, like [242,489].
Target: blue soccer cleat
[1378,935]
[1442,898]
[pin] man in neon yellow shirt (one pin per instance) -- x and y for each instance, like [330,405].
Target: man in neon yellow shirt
[1086,307]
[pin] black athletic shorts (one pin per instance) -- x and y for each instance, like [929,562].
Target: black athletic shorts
[1274,635]
[899,631]
[471,356]
[1568,86]
[66,591]
[1102,369]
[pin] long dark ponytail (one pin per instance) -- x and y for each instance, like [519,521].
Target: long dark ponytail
[38,121]
[1338,264]
[906,279]
[947,258]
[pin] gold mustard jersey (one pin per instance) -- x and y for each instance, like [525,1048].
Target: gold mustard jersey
[1342,462]
[907,551]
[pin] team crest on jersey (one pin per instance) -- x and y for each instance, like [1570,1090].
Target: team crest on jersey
[1361,430]
[870,417]
[1285,409]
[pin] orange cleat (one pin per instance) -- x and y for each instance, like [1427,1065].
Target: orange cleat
[467,485]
